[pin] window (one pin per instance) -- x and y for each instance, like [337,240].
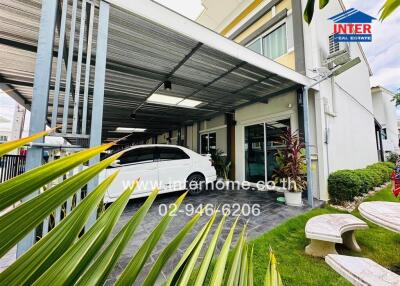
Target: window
[3,138]
[208,143]
[137,156]
[256,46]
[384,133]
[170,153]
[275,43]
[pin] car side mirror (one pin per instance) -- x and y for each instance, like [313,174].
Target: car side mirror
[116,163]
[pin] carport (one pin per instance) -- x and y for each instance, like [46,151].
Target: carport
[94,66]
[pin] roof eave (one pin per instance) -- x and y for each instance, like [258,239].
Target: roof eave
[185,26]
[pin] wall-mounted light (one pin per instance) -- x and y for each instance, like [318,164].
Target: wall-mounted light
[167,85]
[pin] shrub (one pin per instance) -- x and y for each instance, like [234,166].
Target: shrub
[367,178]
[384,169]
[392,157]
[343,185]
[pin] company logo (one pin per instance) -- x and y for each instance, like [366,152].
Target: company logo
[352,26]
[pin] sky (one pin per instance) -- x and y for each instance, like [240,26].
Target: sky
[383,53]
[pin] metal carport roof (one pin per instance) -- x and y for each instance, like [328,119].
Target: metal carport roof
[148,44]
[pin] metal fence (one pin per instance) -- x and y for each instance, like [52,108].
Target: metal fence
[11,166]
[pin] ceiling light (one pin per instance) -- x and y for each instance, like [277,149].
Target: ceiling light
[164,99]
[189,103]
[129,130]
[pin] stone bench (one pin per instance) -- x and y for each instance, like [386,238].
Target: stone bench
[362,271]
[327,230]
[384,214]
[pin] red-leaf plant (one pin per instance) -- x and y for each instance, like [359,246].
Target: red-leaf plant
[291,162]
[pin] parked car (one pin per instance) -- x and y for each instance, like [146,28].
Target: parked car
[169,167]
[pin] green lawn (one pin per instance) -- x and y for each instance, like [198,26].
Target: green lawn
[298,269]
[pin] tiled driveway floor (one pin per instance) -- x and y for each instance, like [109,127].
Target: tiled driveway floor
[271,214]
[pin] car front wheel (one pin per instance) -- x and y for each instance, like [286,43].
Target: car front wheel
[195,184]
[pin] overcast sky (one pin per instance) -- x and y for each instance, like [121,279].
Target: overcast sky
[383,53]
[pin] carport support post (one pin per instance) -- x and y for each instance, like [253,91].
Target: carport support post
[41,88]
[98,92]
[308,147]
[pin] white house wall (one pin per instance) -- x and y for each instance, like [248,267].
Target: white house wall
[345,104]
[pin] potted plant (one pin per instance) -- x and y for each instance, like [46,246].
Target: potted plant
[221,163]
[291,169]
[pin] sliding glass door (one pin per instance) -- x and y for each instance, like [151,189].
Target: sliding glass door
[254,151]
[261,144]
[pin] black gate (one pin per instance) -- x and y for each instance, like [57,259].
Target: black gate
[11,166]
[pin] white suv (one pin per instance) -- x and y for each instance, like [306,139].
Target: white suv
[169,167]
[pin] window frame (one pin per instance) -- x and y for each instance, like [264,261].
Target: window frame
[208,141]
[141,162]
[158,154]
[270,31]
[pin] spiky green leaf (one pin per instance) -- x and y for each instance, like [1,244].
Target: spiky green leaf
[206,262]
[11,145]
[21,186]
[99,270]
[132,270]
[168,251]
[26,269]
[15,224]
[176,274]
[68,268]
[219,269]
[272,276]
[234,265]
[388,8]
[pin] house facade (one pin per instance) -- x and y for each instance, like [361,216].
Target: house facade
[246,97]
[342,115]
[386,121]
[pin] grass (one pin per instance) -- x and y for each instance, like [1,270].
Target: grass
[297,268]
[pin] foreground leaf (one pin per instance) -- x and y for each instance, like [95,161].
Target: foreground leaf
[309,11]
[192,259]
[323,3]
[26,269]
[179,268]
[388,8]
[234,266]
[205,264]
[15,224]
[67,269]
[272,276]
[21,186]
[103,265]
[219,269]
[250,280]
[129,275]
[244,267]
[169,251]
[11,145]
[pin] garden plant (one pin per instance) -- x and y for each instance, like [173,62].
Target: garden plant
[69,256]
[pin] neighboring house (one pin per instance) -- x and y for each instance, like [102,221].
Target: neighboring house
[385,114]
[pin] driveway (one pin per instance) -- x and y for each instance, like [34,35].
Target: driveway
[264,213]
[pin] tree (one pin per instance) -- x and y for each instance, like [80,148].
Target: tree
[396,97]
[387,9]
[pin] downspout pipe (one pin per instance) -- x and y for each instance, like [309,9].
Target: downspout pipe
[310,196]
[310,192]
